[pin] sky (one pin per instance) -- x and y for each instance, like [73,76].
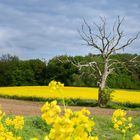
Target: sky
[42,29]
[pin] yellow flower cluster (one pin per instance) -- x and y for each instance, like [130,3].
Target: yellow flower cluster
[120,121]
[5,133]
[136,137]
[17,122]
[34,138]
[50,112]
[69,126]
[55,86]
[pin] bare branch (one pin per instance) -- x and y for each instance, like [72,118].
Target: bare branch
[127,43]
[119,35]
[93,65]
[89,37]
[134,59]
[110,71]
[115,63]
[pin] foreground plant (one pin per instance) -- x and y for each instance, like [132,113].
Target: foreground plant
[121,122]
[57,87]
[69,126]
[6,124]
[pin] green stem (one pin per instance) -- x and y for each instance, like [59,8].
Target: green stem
[64,104]
[123,136]
[63,100]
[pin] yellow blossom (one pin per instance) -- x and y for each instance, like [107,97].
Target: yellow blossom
[130,119]
[8,122]
[70,125]
[120,121]
[46,138]
[18,122]
[34,138]
[136,137]
[93,138]
[50,112]
[55,86]
[123,131]
[130,125]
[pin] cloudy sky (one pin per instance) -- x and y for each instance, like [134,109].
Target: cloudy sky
[46,28]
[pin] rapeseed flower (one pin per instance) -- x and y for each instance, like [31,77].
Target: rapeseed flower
[50,112]
[71,125]
[83,93]
[55,86]
[34,138]
[18,122]
[120,121]
[136,137]
[5,133]
[8,122]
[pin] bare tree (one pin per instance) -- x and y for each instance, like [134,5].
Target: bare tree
[107,43]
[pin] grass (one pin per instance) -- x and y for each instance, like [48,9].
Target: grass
[36,127]
[82,93]
[125,106]
[104,128]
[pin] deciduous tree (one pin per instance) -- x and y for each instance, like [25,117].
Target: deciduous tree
[106,42]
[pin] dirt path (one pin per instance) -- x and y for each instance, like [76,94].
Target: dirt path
[29,108]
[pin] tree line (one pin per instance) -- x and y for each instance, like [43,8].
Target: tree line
[16,72]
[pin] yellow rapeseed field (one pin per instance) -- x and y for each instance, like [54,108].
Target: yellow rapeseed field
[69,92]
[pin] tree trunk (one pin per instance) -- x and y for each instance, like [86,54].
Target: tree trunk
[101,101]
[102,85]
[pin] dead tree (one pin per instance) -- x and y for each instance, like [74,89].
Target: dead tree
[107,43]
